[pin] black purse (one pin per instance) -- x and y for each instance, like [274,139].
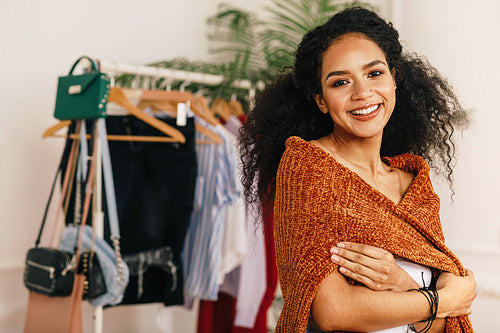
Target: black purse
[50,271]
[94,284]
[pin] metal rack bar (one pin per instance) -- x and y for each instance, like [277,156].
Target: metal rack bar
[114,67]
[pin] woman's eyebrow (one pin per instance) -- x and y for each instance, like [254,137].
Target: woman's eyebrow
[343,72]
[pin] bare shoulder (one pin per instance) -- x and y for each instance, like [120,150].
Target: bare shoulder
[322,143]
[406,179]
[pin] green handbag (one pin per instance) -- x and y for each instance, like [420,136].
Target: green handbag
[82,96]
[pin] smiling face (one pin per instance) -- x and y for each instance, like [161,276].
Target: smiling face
[358,88]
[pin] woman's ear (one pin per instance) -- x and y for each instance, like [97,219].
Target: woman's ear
[320,101]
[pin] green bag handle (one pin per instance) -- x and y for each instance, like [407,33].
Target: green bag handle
[94,66]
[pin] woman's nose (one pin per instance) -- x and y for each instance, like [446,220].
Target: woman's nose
[361,90]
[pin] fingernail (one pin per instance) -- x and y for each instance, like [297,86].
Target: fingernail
[335,258]
[334,250]
[340,245]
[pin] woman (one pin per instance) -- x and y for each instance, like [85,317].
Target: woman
[358,238]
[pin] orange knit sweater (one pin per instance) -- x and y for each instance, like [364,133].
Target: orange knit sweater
[320,202]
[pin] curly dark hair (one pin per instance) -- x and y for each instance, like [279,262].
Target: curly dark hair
[423,121]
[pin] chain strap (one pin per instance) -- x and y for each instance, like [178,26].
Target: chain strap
[120,278]
[85,269]
[78,204]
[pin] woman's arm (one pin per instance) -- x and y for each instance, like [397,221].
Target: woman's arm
[387,304]
[339,305]
[377,269]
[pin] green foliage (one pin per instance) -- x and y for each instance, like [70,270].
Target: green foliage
[261,49]
[246,47]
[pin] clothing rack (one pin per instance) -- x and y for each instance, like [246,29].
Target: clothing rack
[114,68]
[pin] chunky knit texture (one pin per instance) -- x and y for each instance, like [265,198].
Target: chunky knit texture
[320,202]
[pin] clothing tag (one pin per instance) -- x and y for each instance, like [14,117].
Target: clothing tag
[182,109]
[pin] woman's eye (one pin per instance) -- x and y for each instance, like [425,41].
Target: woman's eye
[375,73]
[340,83]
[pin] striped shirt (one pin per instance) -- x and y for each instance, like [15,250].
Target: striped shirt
[217,186]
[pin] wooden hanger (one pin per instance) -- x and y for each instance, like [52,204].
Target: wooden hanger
[117,96]
[236,108]
[221,108]
[199,104]
[170,107]
[164,95]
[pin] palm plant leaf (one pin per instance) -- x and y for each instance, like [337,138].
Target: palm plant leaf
[249,48]
[289,19]
[233,33]
[269,45]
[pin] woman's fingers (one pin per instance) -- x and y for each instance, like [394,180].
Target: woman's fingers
[456,293]
[469,273]
[357,261]
[375,259]
[367,250]
[360,266]
[355,269]
[362,277]
[376,268]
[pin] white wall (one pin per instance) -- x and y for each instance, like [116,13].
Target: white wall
[39,40]
[461,39]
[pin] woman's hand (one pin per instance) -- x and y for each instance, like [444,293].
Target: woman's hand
[374,267]
[456,294]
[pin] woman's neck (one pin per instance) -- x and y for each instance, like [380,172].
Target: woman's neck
[360,153]
[362,156]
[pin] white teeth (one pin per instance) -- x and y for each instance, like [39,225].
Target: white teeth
[365,111]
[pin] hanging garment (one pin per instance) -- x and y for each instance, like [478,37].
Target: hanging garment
[235,239]
[231,280]
[252,272]
[260,322]
[218,316]
[233,125]
[154,194]
[216,186]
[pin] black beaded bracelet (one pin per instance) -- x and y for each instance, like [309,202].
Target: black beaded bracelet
[432,297]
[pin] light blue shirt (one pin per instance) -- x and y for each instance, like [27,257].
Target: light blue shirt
[217,185]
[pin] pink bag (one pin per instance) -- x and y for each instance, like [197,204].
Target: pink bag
[57,314]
